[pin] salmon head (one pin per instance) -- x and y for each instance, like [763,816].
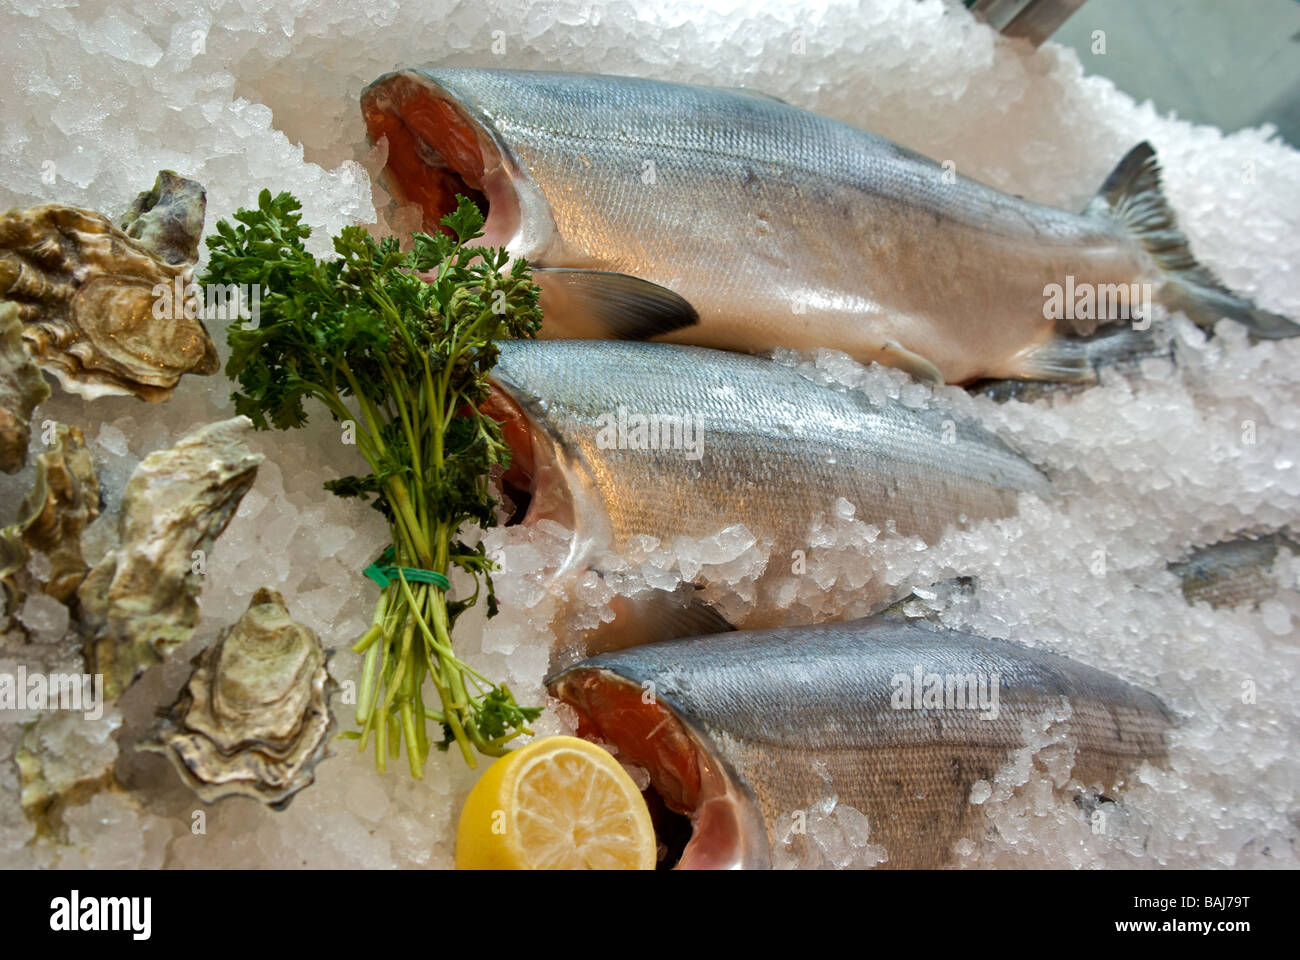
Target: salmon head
[687,774]
[443,141]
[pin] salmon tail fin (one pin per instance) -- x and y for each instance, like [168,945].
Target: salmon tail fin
[1132,196]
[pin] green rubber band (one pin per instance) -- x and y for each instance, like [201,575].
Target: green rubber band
[383,572]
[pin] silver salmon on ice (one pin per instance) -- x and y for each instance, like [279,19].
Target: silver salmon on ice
[729,219]
[759,444]
[896,719]
[1235,572]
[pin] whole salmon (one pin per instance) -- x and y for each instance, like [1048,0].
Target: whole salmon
[622,440]
[729,219]
[898,719]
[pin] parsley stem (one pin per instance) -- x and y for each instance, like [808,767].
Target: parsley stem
[366,643]
[413,757]
[366,691]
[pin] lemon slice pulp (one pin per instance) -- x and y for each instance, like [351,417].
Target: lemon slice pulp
[559,803]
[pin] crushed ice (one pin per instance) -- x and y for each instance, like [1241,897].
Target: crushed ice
[241,96]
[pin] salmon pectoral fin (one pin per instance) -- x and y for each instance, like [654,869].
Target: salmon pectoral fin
[894,354]
[654,617]
[601,305]
[1132,197]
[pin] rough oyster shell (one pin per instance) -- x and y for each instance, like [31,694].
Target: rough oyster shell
[62,761]
[168,219]
[13,559]
[138,603]
[64,498]
[21,388]
[254,718]
[87,292]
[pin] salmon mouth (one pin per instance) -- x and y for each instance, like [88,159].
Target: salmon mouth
[704,816]
[534,486]
[515,483]
[437,148]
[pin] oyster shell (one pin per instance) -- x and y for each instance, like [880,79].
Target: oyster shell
[254,718]
[63,500]
[168,219]
[87,292]
[21,388]
[14,578]
[62,761]
[13,561]
[138,603]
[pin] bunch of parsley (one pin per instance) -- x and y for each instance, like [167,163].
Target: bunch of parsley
[365,332]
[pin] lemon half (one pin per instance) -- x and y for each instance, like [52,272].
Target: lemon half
[559,803]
